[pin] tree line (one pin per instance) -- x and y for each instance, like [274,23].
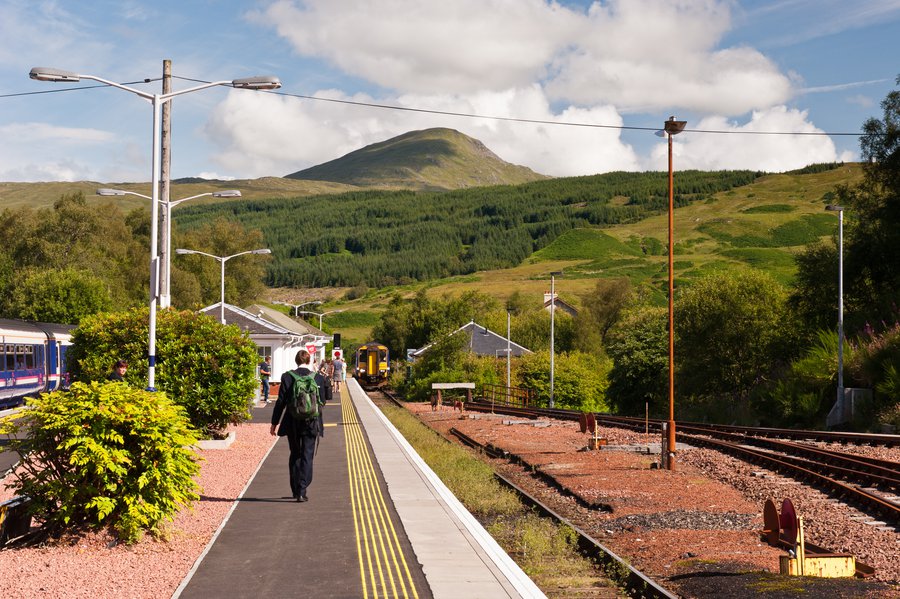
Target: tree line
[382,238]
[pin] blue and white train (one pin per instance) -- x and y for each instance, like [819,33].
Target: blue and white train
[32,359]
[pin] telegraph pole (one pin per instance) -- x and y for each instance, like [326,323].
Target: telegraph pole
[165,294]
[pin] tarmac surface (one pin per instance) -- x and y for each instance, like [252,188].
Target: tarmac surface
[378,523]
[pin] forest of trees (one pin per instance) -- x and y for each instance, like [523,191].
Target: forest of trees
[381,238]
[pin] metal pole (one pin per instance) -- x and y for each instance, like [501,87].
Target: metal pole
[154,248]
[508,350]
[222,304]
[840,389]
[552,316]
[165,298]
[670,459]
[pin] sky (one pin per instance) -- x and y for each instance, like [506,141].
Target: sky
[574,87]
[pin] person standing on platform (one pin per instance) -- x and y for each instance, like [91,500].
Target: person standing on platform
[265,371]
[302,434]
[339,368]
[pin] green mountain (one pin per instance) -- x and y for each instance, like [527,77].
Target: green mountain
[432,159]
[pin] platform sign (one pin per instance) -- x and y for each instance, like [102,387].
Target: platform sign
[337,354]
[311,349]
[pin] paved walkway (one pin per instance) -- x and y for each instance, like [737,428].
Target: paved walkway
[378,523]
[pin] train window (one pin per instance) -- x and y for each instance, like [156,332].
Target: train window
[28,356]
[2,357]
[10,357]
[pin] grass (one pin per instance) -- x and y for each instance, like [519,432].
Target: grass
[545,550]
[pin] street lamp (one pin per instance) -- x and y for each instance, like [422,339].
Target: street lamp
[222,260]
[298,306]
[672,127]
[156,101]
[320,315]
[165,296]
[553,276]
[840,384]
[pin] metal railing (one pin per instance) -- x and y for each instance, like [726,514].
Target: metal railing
[508,396]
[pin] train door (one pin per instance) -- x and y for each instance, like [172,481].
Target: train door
[372,363]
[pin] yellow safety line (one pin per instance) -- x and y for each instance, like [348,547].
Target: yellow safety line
[362,575]
[376,536]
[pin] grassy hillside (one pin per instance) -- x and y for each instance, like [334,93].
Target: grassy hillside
[432,159]
[760,225]
[38,195]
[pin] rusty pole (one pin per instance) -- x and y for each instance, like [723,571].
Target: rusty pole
[672,127]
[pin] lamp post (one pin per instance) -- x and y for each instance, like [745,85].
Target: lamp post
[296,307]
[156,102]
[165,296]
[320,315]
[672,127]
[222,260]
[840,373]
[553,276]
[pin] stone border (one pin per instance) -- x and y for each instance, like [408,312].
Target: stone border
[217,443]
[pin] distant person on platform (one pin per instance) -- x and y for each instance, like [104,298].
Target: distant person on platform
[302,435]
[339,369]
[265,371]
[118,372]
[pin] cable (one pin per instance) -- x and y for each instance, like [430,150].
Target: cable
[72,89]
[538,121]
[465,114]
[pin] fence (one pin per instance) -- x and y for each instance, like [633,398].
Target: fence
[510,396]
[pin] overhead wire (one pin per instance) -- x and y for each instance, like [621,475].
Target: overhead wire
[468,114]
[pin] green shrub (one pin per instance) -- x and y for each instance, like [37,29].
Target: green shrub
[207,368]
[104,454]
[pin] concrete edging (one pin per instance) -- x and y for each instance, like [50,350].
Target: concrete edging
[217,443]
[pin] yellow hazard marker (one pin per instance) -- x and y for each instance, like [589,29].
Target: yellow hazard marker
[382,566]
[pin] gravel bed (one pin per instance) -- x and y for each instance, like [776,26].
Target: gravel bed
[95,566]
[701,522]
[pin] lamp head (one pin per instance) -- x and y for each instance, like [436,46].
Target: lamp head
[182,252]
[264,251]
[674,127]
[227,193]
[264,82]
[834,208]
[50,74]
[103,191]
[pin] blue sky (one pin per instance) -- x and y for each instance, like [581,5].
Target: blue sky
[738,66]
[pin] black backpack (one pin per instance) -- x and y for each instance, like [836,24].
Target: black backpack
[303,403]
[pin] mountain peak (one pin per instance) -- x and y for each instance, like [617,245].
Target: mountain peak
[434,159]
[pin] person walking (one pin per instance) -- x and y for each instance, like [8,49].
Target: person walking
[338,377]
[265,371]
[302,434]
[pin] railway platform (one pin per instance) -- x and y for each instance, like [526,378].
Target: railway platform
[378,523]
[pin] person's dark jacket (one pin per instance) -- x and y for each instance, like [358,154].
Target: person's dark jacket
[311,427]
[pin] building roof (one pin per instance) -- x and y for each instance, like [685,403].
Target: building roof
[298,327]
[482,342]
[260,322]
[561,304]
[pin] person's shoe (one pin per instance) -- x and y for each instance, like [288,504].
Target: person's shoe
[302,499]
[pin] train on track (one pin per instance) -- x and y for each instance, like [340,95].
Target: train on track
[32,359]
[372,363]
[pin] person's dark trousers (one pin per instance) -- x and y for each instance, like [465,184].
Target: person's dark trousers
[300,462]
[265,390]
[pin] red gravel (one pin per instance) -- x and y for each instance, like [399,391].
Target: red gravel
[670,525]
[92,566]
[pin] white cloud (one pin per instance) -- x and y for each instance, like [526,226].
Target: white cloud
[44,152]
[637,55]
[745,150]
[265,134]
[428,47]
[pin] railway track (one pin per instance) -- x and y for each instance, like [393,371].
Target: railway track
[864,482]
[632,581]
